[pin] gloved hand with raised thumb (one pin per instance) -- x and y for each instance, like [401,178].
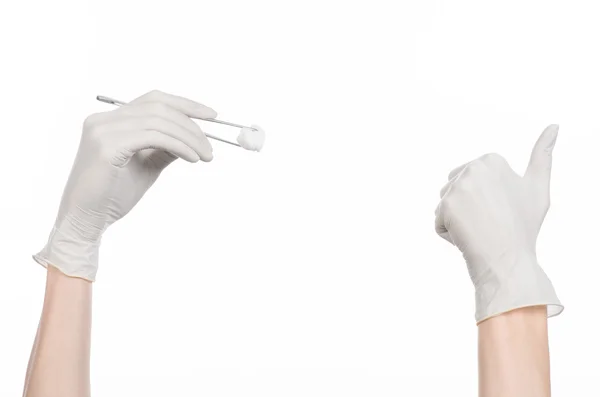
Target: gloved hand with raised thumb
[121,154]
[493,216]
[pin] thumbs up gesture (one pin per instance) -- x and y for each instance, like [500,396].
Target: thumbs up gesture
[493,216]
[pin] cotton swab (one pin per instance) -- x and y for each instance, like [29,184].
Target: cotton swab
[250,138]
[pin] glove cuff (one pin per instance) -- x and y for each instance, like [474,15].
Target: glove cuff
[527,285]
[70,254]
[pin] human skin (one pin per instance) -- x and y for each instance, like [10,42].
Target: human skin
[59,365]
[514,359]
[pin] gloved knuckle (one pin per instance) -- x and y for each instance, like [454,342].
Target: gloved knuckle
[462,186]
[477,168]
[443,191]
[91,122]
[447,204]
[493,159]
[93,132]
[154,94]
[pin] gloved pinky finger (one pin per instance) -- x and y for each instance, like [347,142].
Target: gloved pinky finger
[134,141]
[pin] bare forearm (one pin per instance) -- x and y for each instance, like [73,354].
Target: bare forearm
[59,363]
[513,354]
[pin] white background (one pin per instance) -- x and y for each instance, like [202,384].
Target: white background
[312,268]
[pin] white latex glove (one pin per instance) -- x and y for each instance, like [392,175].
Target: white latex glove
[493,216]
[121,154]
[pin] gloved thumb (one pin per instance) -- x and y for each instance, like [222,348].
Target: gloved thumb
[540,163]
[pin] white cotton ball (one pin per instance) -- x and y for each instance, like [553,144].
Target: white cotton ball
[252,138]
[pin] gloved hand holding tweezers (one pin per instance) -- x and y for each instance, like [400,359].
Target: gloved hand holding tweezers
[121,154]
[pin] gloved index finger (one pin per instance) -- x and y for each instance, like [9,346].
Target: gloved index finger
[160,109]
[186,106]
